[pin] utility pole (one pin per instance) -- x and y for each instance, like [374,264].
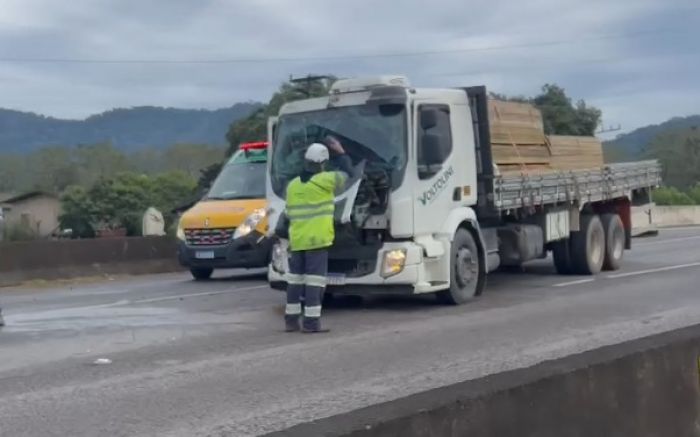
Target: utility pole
[609,129]
[308,80]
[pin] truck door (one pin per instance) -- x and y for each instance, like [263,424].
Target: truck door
[434,173]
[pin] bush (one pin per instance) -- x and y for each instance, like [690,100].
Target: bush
[672,196]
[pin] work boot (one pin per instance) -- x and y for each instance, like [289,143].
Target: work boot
[312,325]
[291,324]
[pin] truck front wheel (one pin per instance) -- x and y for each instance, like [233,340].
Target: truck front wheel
[466,273]
[588,246]
[201,273]
[614,241]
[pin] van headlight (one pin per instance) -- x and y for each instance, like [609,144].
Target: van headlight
[279,259]
[250,223]
[393,263]
[180,233]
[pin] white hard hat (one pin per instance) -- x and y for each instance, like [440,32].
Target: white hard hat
[317,153]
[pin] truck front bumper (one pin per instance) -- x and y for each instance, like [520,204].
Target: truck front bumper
[251,251]
[411,280]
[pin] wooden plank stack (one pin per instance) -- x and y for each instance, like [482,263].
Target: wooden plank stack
[519,144]
[569,152]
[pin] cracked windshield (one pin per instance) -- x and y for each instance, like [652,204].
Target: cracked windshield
[372,133]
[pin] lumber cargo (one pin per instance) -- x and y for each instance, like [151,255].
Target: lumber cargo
[519,143]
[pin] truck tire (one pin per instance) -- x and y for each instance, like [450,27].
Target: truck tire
[614,241]
[466,273]
[588,246]
[201,273]
[561,252]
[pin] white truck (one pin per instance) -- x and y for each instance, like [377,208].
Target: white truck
[427,211]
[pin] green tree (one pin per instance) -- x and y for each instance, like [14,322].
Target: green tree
[191,158]
[678,151]
[13,176]
[52,169]
[254,127]
[121,201]
[77,212]
[97,161]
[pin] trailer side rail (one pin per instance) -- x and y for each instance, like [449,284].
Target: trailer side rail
[574,186]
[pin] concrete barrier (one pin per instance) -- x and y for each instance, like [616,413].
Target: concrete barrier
[643,388]
[22,261]
[649,218]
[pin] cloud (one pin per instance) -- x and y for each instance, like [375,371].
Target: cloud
[614,54]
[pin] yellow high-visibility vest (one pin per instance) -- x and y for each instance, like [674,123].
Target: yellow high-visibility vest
[310,207]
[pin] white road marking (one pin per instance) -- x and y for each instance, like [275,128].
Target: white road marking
[670,240]
[206,293]
[580,281]
[656,270]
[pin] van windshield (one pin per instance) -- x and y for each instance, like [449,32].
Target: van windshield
[239,181]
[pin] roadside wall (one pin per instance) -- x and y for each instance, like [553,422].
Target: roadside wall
[642,388]
[654,217]
[22,261]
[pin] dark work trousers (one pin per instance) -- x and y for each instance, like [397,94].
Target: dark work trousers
[307,278]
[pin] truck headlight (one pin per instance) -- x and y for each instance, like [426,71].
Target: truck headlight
[250,223]
[393,262]
[180,233]
[279,259]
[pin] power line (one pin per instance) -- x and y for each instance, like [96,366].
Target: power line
[628,35]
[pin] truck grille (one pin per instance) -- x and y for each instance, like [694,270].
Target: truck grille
[209,237]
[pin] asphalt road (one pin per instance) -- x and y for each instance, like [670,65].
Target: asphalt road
[190,359]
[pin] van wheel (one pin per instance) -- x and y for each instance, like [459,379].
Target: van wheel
[614,241]
[561,252]
[466,273]
[201,273]
[588,246]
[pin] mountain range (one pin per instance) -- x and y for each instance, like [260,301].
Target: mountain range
[127,129]
[633,145]
[130,129]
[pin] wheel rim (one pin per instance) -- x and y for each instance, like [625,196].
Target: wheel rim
[465,267]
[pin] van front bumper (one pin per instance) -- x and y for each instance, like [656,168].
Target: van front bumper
[251,251]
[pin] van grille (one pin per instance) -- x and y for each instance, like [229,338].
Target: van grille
[209,237]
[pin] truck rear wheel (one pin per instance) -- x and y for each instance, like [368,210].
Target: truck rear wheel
[201,273]
[466,273]
[561,252]
[614,241]
[588,246]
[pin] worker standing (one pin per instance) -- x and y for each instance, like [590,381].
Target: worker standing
[310,209]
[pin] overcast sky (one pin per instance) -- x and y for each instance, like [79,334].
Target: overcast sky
[638,60]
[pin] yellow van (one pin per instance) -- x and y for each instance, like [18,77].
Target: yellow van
[228,227]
